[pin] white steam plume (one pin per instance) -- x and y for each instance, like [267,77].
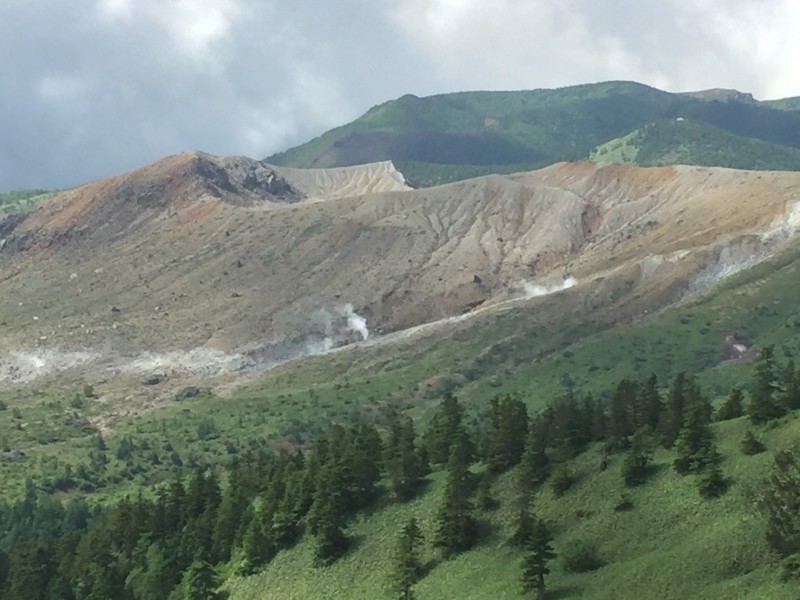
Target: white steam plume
[356,322]
[533,290]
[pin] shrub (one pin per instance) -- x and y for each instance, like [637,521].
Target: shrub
[790,567]
[712,483]
[624,503]
[562,481]
[750,444]
[580,556]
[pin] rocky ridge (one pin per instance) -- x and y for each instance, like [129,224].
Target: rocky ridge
[256,265]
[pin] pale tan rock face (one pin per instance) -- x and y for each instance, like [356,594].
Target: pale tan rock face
[232,254]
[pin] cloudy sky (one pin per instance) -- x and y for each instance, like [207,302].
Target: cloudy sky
[94,87]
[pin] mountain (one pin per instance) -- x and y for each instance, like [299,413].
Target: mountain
[189,266]
[784,103]
[211,357]
[679,141]
[202,253]
[455,136]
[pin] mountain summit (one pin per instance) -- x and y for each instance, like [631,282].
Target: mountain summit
[454,136]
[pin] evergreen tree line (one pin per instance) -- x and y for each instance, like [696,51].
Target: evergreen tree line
[167,543]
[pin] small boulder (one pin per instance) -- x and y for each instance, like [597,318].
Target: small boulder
[14,454]
[152,380]
[189,392]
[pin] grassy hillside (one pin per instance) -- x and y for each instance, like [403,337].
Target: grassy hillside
[511,353]
[671,545]
[20,200]
[784,103]
[453,136]
[695,143]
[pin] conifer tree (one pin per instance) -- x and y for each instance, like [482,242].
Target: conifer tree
[636,466]
[764,405]
[407,566]
[200,582]
[712,483]
[402,462]
[227,523]
[538,553]
[524,527]
[534,467]
[563,426]
[156,577]
[733,407]
[443,429]
[361,465]
[455,523]
[259,544]
[620,417]
[32,567]
[562,480]
[671,420]
[649,404]
[484,498]
[695,443]
[286,517]
[329,500]
[750,444]
[781,503]
[331,540]
[790,388]
[505,438]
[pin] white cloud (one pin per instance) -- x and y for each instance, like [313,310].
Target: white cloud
[511,44]
[106,85]
[195,28]
[115,9]
[755,44]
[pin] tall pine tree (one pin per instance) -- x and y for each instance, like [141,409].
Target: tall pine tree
[764,405]
[443,429]
[505,437]
[538,553]
[695,442]
[534,466]
[456,528]
[407,567]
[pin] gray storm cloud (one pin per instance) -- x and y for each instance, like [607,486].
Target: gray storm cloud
[97,87]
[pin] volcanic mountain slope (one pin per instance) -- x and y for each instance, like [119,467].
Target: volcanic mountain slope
[230,254]
[455,136]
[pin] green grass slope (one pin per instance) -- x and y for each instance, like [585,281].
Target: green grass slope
[792,103]
[695,143]
[20,200]
[672,545]
[453,136]
[517,352]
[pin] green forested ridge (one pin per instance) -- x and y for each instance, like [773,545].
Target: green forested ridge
[323,505]
[20,200]
[454,136]
[695,143]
